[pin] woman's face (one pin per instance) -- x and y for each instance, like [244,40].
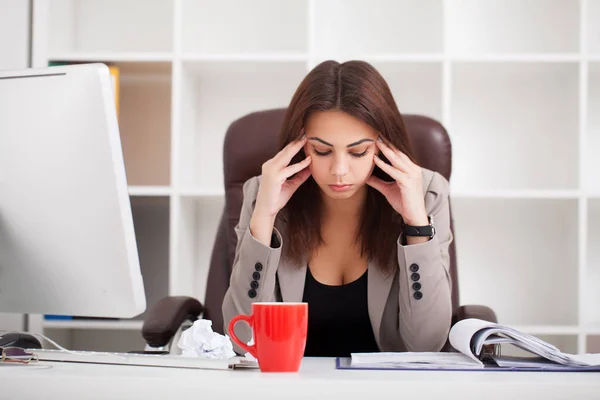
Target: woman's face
[342,149]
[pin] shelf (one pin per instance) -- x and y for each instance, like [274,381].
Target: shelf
[389,57]
[512,26]
[502,266]
[198,222]
[593,27]
[369,57]
[214,94]
[93,324]
[508,117]
[343,28]
[515,194]
[503,76]
[149,191]
[239,26]
[592,279]
[591,329]
[593,128]
[518,58]
[241,57]
[202,192]
[440,57]
[112,57]
[110,26]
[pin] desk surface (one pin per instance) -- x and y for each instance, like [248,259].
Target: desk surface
[317,376]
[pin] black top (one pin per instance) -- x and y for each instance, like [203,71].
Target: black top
[338,318]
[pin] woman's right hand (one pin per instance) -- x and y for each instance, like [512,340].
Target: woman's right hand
[276,189]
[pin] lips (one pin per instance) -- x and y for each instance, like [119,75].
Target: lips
[340,188]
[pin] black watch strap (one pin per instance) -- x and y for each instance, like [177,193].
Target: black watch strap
[426,230]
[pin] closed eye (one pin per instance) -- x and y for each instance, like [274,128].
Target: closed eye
[326,153]
[322,153]
[360,154]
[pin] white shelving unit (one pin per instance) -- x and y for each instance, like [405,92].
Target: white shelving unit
[518,90]
[14,54]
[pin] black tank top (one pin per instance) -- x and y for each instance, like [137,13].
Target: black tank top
[338,318]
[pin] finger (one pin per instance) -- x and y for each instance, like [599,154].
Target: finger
[388,169]
[396,160]
[294,168]
[299,179]
[406,159]
[284,157]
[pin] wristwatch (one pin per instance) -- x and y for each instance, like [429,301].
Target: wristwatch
[427,230]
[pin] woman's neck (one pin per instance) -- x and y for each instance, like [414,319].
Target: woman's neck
[347,210]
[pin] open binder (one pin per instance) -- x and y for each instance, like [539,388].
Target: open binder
[478,346]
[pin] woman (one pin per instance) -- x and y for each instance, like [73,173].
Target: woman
[343,218]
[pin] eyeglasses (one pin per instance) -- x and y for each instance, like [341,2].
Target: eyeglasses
[17,355]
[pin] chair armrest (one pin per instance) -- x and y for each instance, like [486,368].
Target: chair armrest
[474,311]
[165,317]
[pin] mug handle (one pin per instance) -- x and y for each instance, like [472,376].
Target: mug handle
[250,321]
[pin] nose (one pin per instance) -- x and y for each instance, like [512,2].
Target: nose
[340,166]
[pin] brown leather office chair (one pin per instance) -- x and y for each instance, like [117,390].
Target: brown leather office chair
[249,142]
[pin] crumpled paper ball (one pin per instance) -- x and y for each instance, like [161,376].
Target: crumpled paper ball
[249,356]
[200,341]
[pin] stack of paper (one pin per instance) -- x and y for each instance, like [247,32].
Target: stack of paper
[470,337]
[416,360]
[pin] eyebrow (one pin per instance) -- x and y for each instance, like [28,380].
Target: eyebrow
[348,146]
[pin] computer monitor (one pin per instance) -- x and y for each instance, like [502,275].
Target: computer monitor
[67,240]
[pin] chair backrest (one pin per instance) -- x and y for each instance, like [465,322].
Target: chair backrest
[252,140]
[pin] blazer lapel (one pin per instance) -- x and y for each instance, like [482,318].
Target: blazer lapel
[291,276]
[291,281]
[378,290]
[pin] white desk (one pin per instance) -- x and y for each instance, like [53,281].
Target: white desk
[317,378]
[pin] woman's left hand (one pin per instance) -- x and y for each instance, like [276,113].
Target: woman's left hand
[405,195]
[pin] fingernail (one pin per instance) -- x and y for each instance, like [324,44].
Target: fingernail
[379,139]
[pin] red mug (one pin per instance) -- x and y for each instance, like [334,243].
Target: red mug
[279,331]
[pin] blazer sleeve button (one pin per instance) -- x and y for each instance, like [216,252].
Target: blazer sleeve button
[418,295]
[415,277]
[256,276]
[416,286]
[258,266]
[414,267]
[252,293]
[254,285]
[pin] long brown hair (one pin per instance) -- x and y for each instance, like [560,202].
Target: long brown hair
[358,89]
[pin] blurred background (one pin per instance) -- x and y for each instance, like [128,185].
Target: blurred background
[515,82]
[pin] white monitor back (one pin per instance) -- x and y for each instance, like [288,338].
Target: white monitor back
[67,240]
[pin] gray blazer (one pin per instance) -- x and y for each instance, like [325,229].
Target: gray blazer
[400,321]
